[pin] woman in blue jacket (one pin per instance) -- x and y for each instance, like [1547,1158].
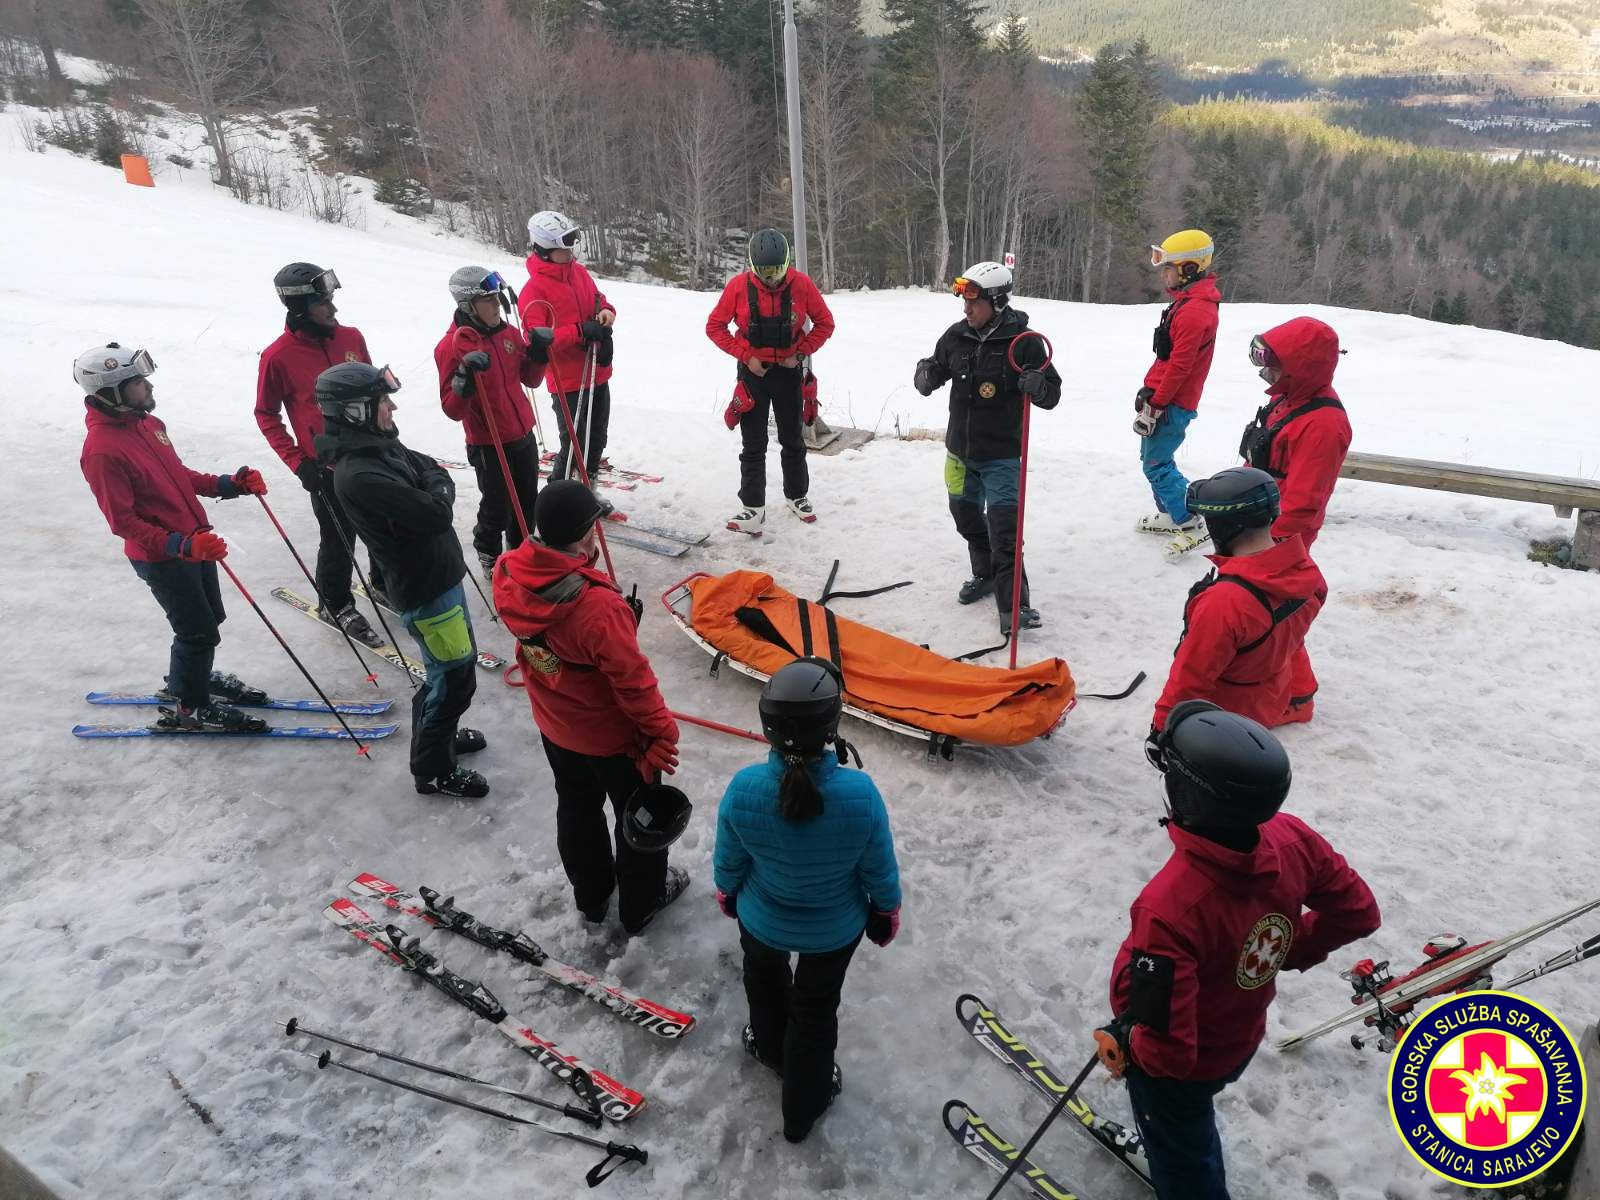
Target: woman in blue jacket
[805,863]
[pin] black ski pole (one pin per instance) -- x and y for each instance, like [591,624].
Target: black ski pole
[322,604]
[377,609]
[292,1026]
[1567,958]
[1022,1155]
[597,1174]
[361,747]
[493,616]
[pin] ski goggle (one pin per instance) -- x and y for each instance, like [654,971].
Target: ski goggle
[965,288]
[771,275]
[389,379]
[1160,257]
[321,285]
[570,238]
[1261,354]
[140,365]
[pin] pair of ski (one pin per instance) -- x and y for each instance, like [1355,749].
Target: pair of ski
[980,1139]
[385,650]
[313,732]
[613,1100]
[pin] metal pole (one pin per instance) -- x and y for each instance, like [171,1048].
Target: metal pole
[797,169]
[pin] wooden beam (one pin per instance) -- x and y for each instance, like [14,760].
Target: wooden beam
[1558,491]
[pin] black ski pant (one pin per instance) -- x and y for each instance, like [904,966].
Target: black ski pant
[593,422]
[1178,1122]
[779,391]
[334,562]
[586,837]
[983,501]
[443,629]
[795,1019]
[191,597]
[496,529]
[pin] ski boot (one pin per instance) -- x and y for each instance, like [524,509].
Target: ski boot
[234,690]
[209,717]
[1163,523]
[837,1086]
[975,589]
[802,509]
[470,741]
[350,620]
[1027,618]
[461,783]
[486,563]
[748,520]
[748,1037]
[677,881]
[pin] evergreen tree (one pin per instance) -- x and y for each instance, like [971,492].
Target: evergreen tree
[1118,112]
[1012,44]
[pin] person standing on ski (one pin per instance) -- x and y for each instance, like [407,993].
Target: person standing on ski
[1300,437]
[605,728]
[1249,891]
[805,862]
[1245,624]
[562,296]
[402,504]
[148,498]
[286,384]
[1168,401]
[484,365]
[983,439]
[778,320]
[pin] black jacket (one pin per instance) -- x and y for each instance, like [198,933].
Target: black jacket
[402,504]
[985,405]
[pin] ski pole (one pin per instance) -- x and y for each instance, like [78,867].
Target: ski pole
[596,1175]
[292,1026]
[493,616]
[377,609]
[1567,958]
[510,307]
[572,434]
[586,403]
[1022,483]
[372,677]
[1021,1155]
[361,747]
[717,725]
[512,497]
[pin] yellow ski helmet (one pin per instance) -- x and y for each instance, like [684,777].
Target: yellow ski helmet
[1190,250]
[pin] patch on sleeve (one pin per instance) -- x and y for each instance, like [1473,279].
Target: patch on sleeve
[1150,990]
[1263,952]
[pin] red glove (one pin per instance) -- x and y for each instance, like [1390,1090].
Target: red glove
[248,479]
[882,926]
[204,546]
[741,403]
[729,904]
[808,399]
[658,757]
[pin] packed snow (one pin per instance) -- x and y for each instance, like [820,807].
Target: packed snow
[160,901]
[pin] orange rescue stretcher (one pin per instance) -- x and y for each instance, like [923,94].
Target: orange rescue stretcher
[747,620]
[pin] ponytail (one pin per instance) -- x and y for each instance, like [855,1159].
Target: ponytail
[798,797]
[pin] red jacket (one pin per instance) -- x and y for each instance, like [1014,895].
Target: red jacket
[1181,376]
[500,387]
[287,381]
[141,485]
[570,291]
[733,308]
[1308,452]
[591,688]
[1228,922]
[1232,653]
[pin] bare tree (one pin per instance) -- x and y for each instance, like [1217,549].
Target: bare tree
[937,125]
[332,41]
[834,106]
[701,131]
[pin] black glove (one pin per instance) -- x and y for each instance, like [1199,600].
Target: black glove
[310,475]
[1153,750]
[1143,397]
[593,331]
[636,604]
[539,340]
[1034,384]
[461,384]
[477,361]
[926,374]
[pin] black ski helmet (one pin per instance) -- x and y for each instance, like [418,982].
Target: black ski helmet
[654,817]
[801,705]
[769,256]
[1233,501]
[301,284]
[348,394]
[1223,771]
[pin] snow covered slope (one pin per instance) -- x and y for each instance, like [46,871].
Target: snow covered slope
[159,903]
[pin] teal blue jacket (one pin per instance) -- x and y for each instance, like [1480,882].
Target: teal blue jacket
[806,886]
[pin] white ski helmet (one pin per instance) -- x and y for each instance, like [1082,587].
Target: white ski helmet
[472,283]
[550,230]
[106,367]
[991,280]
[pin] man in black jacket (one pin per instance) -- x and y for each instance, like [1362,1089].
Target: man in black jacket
[401,504]
[983,441]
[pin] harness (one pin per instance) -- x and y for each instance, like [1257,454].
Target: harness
[1255,447]
[565,590]
[769,333]
[1161,341]
[1276,615]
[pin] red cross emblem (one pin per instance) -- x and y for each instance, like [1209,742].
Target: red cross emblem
[1264,951]
[1486,1089]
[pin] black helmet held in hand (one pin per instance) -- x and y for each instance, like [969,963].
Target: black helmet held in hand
[654,817]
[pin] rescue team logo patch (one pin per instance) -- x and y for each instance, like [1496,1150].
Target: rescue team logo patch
[509,345]
[161,436]
[110,364]
[1264,951]
[987,390]
[1487,1089]
[540,659]
[351,356]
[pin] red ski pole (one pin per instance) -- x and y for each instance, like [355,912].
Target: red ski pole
[1022,484]
[494,433]
[717,725]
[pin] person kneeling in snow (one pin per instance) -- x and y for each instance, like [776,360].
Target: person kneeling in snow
[148,498]
[805,863]
[606,730]
[1193,979]
[983,441]
[1245,624]
[402,504]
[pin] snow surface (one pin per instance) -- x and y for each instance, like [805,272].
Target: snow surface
[159,902]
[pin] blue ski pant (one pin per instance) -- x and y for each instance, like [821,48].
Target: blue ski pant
[1179,1126]
[443,630]
[983,503]
[1156,454]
